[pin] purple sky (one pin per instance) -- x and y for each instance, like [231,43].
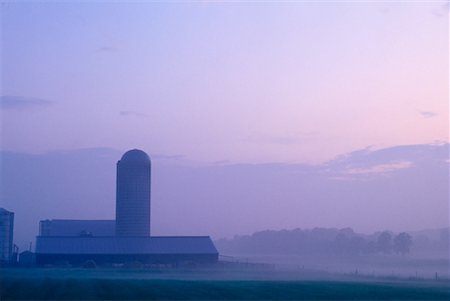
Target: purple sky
[230,83]
[245,82]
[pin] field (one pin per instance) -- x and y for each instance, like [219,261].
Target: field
[114,284]
[380,266]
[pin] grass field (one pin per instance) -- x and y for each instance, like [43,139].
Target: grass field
[73,284]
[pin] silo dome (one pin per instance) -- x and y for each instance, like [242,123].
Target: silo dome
[135,155]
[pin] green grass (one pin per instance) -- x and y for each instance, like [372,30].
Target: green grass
[75,286]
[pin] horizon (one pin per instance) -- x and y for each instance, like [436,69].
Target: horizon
[360,170]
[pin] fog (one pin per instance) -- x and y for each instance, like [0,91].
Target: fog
[422,254]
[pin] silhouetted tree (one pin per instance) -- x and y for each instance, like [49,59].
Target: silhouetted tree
[445,238]
[341,244]
[317,241]
[370,247]
[357,245]
[402,243]
[384,242]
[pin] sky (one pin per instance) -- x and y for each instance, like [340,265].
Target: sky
[207,88]
[243,82]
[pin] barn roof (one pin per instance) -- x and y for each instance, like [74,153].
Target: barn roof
[70,227]
[125,245]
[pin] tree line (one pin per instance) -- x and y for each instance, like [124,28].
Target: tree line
[325,241]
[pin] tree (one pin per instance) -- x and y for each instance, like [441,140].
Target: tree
[342,244]
[357,245]
[384,242]
[402,243]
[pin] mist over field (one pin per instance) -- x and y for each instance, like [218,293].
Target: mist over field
[343,251]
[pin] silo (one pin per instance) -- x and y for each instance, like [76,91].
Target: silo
[133,194]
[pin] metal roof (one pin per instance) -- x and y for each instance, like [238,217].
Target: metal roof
[125,245]
[71,227]
[4,211]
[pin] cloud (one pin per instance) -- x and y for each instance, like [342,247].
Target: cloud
[221,162]
[384,10]
[428,114]
[283,139]
[132,113]
[107,49]
[370,164]
[380,168]
[167,157]
[9,102]
[442,10]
